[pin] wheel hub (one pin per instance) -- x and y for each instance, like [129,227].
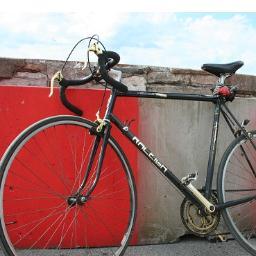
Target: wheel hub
[77,200]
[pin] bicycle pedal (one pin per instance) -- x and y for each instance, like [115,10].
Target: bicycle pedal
[189,178]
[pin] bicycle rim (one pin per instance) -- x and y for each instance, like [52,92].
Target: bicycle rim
[237,179]
[41,170]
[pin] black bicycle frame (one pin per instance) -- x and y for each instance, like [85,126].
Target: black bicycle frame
[220,107]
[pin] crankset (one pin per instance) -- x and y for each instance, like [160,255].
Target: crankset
[197,221]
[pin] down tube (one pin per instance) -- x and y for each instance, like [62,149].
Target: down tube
[154,160]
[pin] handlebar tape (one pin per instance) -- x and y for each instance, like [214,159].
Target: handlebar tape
[103,58]
[113,59]
[64,83]
[67,104]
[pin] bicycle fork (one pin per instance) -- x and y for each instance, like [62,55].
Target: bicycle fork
[79,197]
[102,132]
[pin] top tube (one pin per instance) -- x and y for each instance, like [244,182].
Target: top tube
[175,96]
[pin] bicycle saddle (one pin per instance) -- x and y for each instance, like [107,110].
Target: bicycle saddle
[222,69]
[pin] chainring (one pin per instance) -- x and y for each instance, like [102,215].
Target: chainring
[199,223]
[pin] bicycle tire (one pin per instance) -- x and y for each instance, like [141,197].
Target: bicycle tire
[237,179]
[40,170]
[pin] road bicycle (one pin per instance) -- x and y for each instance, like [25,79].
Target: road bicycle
[65,175]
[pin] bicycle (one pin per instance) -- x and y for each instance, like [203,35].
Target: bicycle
[97,195]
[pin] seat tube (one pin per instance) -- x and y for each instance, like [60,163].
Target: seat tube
[212,152]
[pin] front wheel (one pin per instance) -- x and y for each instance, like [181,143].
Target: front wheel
[237,179]
[40,174]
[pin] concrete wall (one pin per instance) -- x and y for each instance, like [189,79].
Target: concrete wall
[178,131]
[39,72]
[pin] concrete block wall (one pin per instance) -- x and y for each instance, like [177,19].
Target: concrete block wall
[176,131]
[150,78]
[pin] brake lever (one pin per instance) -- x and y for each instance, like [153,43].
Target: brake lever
[95,48]
[57,76]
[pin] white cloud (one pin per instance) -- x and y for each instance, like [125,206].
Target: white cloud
[83,23]
[102,23]
[190,42]
[150,56]
[208,31]
[160,39]
[62,30]
[221,39]
[38,51]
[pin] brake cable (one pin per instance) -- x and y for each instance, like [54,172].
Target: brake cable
[59,75]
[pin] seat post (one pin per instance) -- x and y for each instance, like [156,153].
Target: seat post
[222,78]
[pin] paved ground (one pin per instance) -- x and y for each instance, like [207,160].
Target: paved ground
[185,247]
[190,247]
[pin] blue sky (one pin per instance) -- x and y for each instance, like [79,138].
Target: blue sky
[183,40]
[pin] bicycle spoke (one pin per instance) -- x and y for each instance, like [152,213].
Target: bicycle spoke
[96,223]
[40,237]
[239,176]
[46,162]
[64,235]
[37,225]
[71,148]
[77,178]
[242,167]
[37,220]
[57,228]
[38,191]
[30,212]
[39,178]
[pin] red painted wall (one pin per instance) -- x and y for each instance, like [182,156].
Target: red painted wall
[22,106]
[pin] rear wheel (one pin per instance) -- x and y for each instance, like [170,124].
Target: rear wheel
[40,211]
[237,179]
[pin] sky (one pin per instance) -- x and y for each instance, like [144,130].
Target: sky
[156,38]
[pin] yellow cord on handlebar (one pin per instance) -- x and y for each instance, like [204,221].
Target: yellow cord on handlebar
[57,76]
[100,121]
[95,48]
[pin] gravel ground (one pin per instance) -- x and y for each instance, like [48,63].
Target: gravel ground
[185,247]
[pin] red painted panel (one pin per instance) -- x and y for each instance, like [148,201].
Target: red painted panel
[22,106]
